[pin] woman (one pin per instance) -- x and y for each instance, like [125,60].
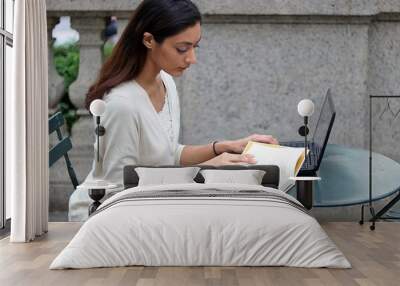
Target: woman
[142,118]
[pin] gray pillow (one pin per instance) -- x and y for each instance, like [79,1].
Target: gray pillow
[248,177]
[162,176]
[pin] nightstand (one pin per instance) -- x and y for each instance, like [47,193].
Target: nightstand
[304,188]
[96,190]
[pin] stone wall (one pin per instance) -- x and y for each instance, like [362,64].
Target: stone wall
[256,60]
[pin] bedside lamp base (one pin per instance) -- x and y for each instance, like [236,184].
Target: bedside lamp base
[96,195]
[305,193]
[304,190]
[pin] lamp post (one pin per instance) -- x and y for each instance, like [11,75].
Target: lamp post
[305,108]
[305,184]
[98,188]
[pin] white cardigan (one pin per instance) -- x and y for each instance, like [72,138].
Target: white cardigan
[134,135]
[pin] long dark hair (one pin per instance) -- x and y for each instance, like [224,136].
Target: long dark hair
[161,18]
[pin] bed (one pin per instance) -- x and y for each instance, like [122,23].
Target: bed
[201,224]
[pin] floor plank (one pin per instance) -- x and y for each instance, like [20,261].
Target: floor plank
[374,255]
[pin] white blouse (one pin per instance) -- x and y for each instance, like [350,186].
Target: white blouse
[135,135]
[166,118]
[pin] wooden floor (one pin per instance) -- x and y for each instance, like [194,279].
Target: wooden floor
[374,255]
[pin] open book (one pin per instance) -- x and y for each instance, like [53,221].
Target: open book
[288,159]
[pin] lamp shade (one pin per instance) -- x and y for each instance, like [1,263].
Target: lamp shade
[97,107]
[305,107]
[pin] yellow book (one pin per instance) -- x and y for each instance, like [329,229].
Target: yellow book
[288,159]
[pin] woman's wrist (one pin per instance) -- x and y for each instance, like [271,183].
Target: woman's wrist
[221,147]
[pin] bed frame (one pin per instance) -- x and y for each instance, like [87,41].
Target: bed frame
[270,179]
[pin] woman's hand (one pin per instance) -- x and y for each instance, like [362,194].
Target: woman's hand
[231,159]
[237,146]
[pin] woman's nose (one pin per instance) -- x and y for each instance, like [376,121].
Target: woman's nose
[191,58]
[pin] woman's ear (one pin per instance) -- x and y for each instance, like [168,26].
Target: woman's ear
[148,40]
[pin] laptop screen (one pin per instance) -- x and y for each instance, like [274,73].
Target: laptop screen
[324,126]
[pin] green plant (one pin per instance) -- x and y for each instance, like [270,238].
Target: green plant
[107,49]
[66,60]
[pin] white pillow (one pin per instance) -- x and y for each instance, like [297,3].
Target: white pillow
[162,176]
[248,177]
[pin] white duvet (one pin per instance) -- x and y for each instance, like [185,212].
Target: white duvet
[190,230]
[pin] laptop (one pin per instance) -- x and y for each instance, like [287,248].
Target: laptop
[320,138]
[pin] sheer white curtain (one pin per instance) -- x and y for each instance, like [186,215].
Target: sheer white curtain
[27,124]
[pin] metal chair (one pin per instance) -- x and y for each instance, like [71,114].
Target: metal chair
[62,147]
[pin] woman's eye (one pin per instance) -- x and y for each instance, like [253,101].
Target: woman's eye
[181,50]
[184,50]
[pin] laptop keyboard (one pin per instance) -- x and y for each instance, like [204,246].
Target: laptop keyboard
[311,159]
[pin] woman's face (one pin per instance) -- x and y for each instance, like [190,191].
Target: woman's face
[176,53]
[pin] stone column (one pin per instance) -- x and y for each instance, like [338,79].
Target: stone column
[56,82]
[90,61]
[56,91]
